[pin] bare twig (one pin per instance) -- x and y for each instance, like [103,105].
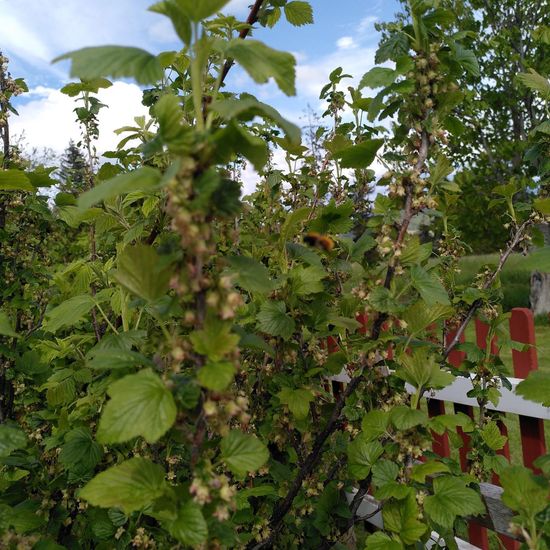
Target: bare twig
[251,19]
[488,283]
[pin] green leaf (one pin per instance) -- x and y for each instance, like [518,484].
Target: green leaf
[293,223]
[429,286]
[243,453]
[140,405]
[381,541]
[15,180]
[215,340]
[420,471]
[273,320]
[93,86]
[542,205]
[419,316]
[172,131]
[113,358]
[143,179]
[362,455]
[80,450]
[179,17]
[262,63]
[523,491]
[492,437]
[12,437]
[6,326]
[466,58]
[378,77]
[361,155]
[405,418]
[297,401]
[299,13]
[252,275]
[68,313]
[131,486]
[439,424]
[234,138]
[535,81]
[197,11]
[189,527]
[248,107]
[141,271]
[400,516]
[421,370]
[536,387]
[216,376]
[452,499]
[334,218]
[114,62]
[374,424]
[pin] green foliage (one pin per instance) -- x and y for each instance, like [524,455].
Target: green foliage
[166,343]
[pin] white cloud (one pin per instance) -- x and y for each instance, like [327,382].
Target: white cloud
[346,43]
[366,23]
[48,120]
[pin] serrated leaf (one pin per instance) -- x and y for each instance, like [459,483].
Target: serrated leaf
[400,517]
[140,271]
[421,370]
[492,437]
[12,437]
[243,453]
[15,180]
[299,13]
[466,58]
[131,486]
[143,179]
[252,275]
[80,450]
[215,340]
[216,376]
[189,527]
[274,320]
[74,88]
[420,471]
[405,418]
[361,155]
[262,63]
[362,455]
[140,405]
[113,358]
[6,326]
[381,541]
[374,424]
[429,287]
[247,107]
[523,491]
[452,499]
[536,387]
[378,77]
[535,81]
[297,401]
[68,313]
[114,62]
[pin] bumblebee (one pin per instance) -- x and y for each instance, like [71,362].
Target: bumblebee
[317,240]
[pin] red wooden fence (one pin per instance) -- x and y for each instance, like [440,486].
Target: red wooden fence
[522,329]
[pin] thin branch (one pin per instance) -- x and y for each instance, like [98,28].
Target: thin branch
[488,283]
[252,18]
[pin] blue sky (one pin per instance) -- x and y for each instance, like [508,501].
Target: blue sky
[36,31]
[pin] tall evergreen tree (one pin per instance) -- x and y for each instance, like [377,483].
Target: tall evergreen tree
[72,170]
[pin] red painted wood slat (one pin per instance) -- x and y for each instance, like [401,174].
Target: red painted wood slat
[522,329]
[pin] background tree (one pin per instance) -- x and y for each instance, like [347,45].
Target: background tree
[72,170]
